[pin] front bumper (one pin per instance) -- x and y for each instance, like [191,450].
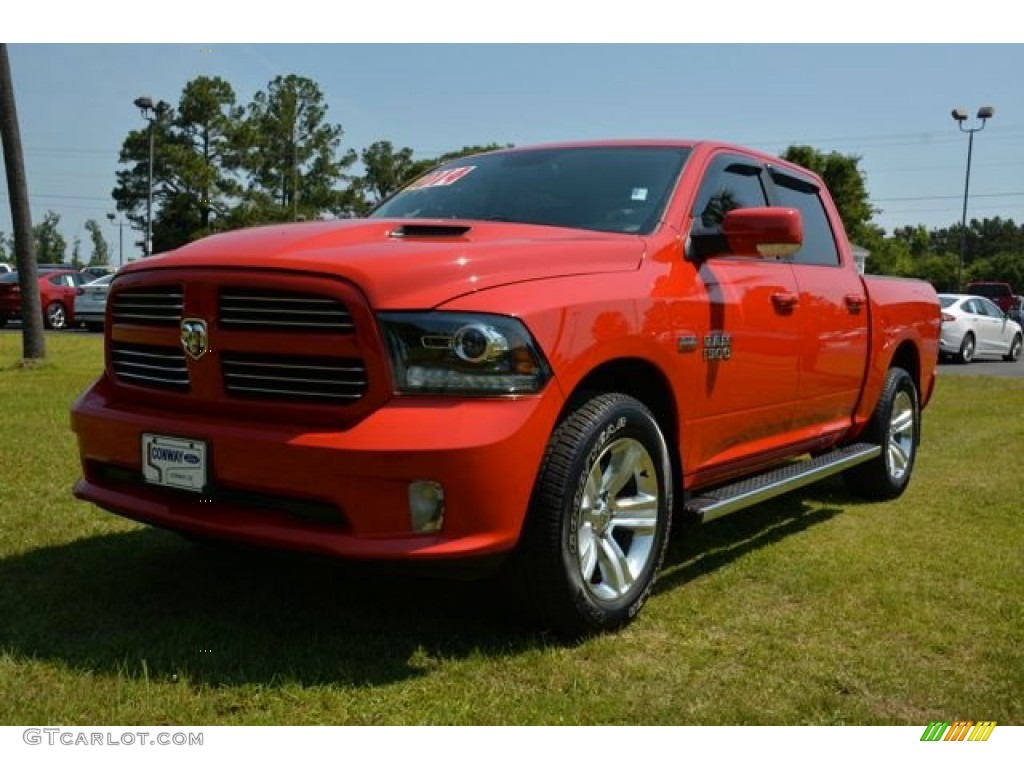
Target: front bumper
[266,478]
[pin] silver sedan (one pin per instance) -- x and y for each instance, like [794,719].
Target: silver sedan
[974,326]
[91,303]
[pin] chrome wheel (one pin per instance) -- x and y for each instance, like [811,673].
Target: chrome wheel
[967,349]
[901,435]
[1015,348]
[599,519]
[56,318]
[618,519]
[895,427]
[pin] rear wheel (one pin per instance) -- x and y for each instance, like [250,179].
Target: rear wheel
[896,427]
[56,316]
[966,353]
[599,518]
[1015,347]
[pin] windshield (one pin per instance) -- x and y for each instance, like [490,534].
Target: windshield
[606,189]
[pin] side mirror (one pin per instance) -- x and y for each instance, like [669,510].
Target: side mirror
[771,233]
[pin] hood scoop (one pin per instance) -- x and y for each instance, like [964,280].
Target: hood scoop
[429,230]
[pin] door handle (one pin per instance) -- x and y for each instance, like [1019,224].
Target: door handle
[855,301]
[785,300]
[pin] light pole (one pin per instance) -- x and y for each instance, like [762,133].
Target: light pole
[120,238]
[152,113]
[960,114]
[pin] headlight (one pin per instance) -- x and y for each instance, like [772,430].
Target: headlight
[461,353]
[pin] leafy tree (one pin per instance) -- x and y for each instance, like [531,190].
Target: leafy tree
[846,183]
[100,250]
[6,247]
[195,159]
[50,243]
[132,190]
[1002,267]
[291,152]
[386,171]
[76,247]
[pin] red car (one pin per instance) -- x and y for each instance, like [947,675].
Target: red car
[57,289]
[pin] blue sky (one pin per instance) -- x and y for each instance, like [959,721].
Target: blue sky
[888,103]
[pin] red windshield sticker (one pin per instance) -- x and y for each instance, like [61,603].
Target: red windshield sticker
[442,178]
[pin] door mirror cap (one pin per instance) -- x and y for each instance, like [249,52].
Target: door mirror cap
[770,233]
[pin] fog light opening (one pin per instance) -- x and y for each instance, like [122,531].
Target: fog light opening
[426,506]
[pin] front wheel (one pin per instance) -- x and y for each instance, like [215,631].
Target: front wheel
[896,427]
[56,316]
[1015,346]
[599,518]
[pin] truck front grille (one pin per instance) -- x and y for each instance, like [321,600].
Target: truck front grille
[150,366]
[285,377]
[271,310]
[152,305]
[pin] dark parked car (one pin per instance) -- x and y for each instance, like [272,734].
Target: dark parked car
[999,293]
[57,289]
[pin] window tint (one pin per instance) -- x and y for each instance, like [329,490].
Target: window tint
[730,183]
[728,186]
[819,242]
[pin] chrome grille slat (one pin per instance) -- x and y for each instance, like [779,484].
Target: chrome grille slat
[153,305]
[291,394]
[293,378]
[155,355]
[132,366]
[142,365]
[297,380]
[158,379]
[273,310]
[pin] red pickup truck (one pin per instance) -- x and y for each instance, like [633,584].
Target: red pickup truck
[532,357]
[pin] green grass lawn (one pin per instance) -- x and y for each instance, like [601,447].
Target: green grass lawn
[813,609]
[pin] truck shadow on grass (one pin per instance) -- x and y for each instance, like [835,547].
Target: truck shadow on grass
[697,550]
[147,603]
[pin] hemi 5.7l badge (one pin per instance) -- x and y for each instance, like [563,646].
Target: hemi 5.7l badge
[717,346]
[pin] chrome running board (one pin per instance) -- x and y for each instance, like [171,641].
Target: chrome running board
[712,504]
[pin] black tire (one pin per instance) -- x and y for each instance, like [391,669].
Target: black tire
[967,349]
[94,327]
[1015,347]
[56,316]
[586,562]
[896,427]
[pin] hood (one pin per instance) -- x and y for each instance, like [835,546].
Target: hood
[412,264]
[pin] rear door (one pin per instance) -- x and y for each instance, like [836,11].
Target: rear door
[834,307]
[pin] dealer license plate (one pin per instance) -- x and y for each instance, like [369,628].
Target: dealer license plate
[174,462]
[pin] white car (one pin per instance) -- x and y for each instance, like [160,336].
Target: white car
[4,268]
[91,303]
[973,325]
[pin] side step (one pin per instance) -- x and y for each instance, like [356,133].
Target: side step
[716,503]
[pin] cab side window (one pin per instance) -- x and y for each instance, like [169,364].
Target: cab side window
[730,183]
[819,241]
